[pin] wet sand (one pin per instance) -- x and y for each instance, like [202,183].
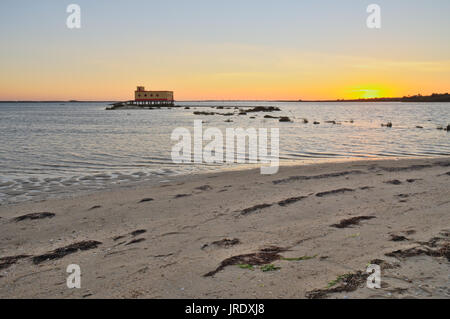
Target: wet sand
[306,232]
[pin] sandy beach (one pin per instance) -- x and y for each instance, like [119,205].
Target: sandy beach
[307,232]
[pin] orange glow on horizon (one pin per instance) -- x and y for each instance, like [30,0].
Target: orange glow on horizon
[370,92]
[226,72]
[126,93]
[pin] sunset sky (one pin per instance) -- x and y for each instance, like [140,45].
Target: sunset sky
[235,49]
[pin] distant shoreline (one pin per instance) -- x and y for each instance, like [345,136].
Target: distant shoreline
[203,101]
[445,97]
[57,102]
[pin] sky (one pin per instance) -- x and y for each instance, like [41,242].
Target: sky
[222,50]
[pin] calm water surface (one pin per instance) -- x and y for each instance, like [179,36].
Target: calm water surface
[53,148]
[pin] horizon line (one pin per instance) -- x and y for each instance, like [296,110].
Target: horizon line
[231,100]
[236,100]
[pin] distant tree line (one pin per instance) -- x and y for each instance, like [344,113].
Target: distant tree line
[435,97]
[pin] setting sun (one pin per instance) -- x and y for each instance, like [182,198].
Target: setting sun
[368,92]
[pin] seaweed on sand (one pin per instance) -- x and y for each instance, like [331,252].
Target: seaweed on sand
[64,251]
[263,257]
[334,192]
[34,216]
[352,221]
[6,262]
[255,209]
[343,283]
